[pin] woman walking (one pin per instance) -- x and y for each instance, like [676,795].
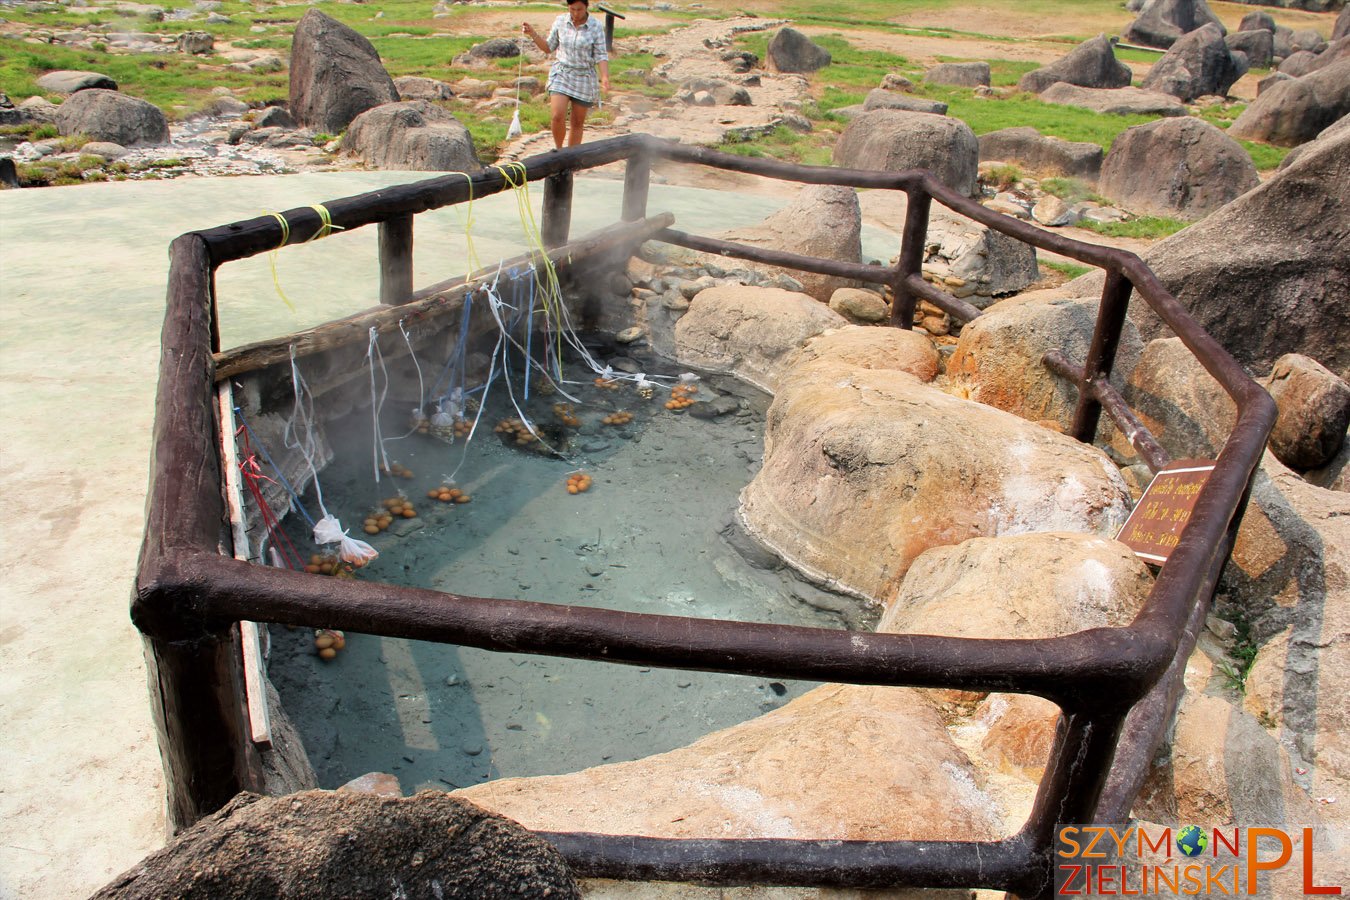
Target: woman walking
[579,39]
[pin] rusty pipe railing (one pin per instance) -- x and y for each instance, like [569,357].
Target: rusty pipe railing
[189,591]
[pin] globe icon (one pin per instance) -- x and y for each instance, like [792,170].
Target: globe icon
[1192,841]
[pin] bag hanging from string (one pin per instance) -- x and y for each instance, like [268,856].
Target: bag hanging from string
[515,130]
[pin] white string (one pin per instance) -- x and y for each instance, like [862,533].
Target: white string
[377,453]
[419,414]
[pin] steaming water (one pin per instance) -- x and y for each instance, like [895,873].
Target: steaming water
[645,538]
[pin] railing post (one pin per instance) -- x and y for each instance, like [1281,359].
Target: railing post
[636,184]
[396,274]
[557,209]
[1102,353]
[911,257]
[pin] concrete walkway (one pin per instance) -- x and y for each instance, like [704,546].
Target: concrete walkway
[82,286]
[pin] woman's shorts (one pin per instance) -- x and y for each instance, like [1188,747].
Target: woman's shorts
[573,99]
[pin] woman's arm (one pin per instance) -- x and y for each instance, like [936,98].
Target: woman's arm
[604,75]
[533,35]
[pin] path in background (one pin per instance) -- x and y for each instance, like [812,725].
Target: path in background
[82,286]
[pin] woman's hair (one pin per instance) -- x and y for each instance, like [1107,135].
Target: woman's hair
[585,3]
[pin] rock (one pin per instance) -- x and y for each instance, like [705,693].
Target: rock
[893,141]
[495,48]
[988,263]
[1257,21]
[336,75]
[1308,39]
[628,335]
[380,784]
[1222,768]
[9,173]
[1277,252]
[429,845]
[1126,101]
[1163,22]
[823,221]
[1049,584]
[70,81]
[1041,154]
[859,478]
[1259,46]
[1178,401]
[414,87]
[474,89]
[274,117]
[1091,64]
[997,360]
[967,74]
[1342,27]
[878,98]
[1053,212]
[414,135]
[893,82]
[1184,168]
[194,42]
[1197,65]
[105,149]
[1297,686]
[104,115]
[749,332]
[228,107]
[1292,112]
[792,773]
[1271,80]
[1314,411]
[873,348]
[859,305]
[1019,732]
[1298,64]
[792,51]
[1335,475]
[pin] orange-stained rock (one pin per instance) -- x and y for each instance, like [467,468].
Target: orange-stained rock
[842,762]
[874,348]
[866,469]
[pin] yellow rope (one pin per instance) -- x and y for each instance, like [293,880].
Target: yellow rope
[545,274]
[326,228]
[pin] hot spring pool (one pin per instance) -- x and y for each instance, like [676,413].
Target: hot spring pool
[650,536]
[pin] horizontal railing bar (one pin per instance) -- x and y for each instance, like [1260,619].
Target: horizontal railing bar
[955,307]
[428,303]
[772,168]
[818,265]
[1148,448]
[994,865]
[251,236]
[1068,669]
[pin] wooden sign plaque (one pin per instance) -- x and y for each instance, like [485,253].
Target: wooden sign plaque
[1154,528]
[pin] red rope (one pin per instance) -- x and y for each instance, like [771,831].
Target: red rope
[252,472]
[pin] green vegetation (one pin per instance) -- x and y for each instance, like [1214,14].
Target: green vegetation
[783,143]
[1067,269]
[1148,227]
[1265,156]
[1072,190]
[1002,176]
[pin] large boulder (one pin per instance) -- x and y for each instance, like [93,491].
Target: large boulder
[1257,21]
[415,135]
[842,762]
[880,98]
[1126,101]
[1299,686]
[1314,411]
[1021,586]
[896,349]
[1178,401]
[1163,22]
[1184,168]
[1091,64]
[1042,154]
[1292,112]
[69,81]
[336,74]
[961,74]
[1279,253]
[350,844]
[973,261]
[1197,65]
[1258,46]
[893,141]
[1342,27]
[792,51]
[859,478]
[750,332]
[110,116]
[998,358]
[1298,64]
[823,221]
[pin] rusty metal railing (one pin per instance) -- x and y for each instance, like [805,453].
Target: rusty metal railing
[190,592]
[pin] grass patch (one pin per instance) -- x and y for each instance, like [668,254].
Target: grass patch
[785,144]
[1067,269]
[1146,227]
[1072,190]
[1264,156]
[1002,176]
